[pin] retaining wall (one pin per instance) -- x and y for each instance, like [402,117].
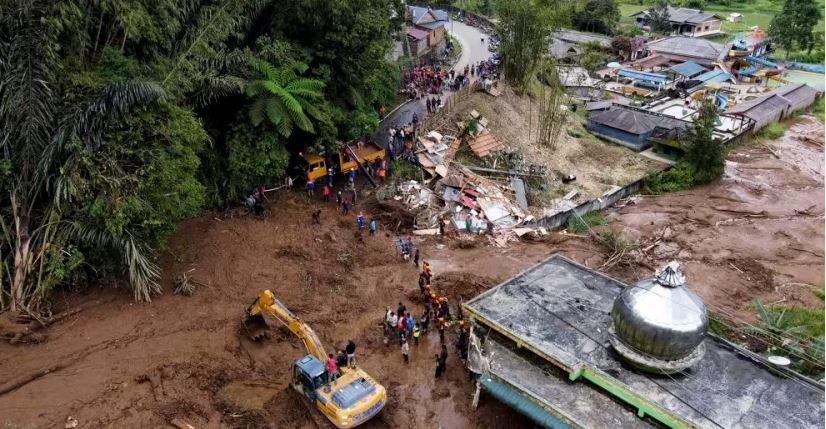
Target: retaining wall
[600,203]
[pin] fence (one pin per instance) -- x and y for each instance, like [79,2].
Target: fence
[600,203]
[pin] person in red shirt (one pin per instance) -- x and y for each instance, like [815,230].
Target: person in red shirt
[331,366]
[325,193]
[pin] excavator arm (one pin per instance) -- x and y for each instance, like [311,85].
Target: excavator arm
[267,306]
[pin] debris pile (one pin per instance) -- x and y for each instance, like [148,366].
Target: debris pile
[467,202]
[434,150]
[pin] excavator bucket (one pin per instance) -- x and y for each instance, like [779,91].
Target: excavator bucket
[255,326]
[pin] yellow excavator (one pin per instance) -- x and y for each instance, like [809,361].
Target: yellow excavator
[348,397]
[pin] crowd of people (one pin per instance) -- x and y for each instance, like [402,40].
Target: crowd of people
[403,326]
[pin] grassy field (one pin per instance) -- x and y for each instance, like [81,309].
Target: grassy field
[759,13]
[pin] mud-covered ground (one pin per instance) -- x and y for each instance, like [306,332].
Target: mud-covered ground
[758,233]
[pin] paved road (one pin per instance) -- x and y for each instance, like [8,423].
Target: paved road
[473,51]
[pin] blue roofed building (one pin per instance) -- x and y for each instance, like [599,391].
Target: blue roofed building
[631,127]
[425,28]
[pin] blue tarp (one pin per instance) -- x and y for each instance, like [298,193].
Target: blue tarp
[761,61]
[688,69]
[651,77]
[748,71]
[714,76]
[814,68]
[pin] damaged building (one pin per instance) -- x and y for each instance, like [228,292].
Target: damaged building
[570,347]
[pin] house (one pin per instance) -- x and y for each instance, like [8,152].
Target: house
[681,49]
[685,21]
[776,105]
[568,44]
[799,95]
[735,17]
[631,127]
[763,110]
[425,28]
[688,69]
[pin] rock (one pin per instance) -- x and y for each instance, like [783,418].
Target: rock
[668,233]
[684,254]
[666,250]
[329,236]
[71,422]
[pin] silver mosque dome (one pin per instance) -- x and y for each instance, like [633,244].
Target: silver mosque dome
[659,324]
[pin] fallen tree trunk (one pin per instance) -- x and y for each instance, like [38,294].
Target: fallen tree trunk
[28,378]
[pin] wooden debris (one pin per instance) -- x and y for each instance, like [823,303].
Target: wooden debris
[181,424]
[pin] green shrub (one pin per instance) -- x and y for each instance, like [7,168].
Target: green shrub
[678,178]
[405,170]
[817,109]
[772,131]
[583,223]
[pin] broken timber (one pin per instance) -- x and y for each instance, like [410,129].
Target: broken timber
[502,172]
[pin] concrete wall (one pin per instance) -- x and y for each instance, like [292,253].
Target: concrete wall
[632,141]
[600,203]
[802,103]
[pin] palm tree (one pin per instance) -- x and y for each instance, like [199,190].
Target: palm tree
[41,140]
[284,97]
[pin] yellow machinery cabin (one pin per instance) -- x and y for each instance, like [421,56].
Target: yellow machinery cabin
[317,165]
[365,152]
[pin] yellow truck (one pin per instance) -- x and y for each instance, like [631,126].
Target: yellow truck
[349,157]
[347,398]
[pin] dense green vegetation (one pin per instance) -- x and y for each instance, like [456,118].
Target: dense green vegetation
[704,158]
[524,31]
[585,222]
[795,332]
[772,131]
[119,118]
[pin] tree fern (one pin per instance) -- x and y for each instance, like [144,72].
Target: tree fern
[283,97]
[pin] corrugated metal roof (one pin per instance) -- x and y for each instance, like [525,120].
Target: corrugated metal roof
[635,121]
[416,33]
[689,69]
[604,105]
[651,77]
[433,25]
[417,13]
[796,92]
[652,61]
[761,108]
[687,46]
[582,37]
[714,76]
[685,15]
[484,144]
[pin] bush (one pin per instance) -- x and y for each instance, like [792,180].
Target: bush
[678,178]
[583,223]
[772,131]
[817,109]
[405,170]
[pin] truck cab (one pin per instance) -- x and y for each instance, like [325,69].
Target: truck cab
[316,167]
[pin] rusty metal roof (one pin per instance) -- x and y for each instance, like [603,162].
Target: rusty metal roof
[484,144]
